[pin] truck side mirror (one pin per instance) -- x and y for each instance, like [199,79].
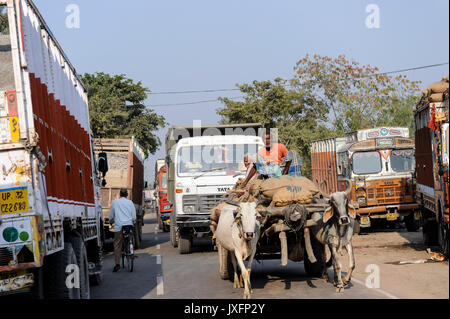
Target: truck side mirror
[146,184]
[103,163]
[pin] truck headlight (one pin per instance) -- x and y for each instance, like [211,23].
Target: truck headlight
[166,207]
[189,209]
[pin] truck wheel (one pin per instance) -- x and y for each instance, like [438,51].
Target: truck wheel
[80,251]
[411,223]
[137,242]
[356,227]
[165,228]
[443,236]
[316,269]
[185,244]
[430,233]
[55,274]
[225,265]
[173,232]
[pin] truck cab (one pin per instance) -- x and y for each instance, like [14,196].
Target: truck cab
[164,206]
[201,170]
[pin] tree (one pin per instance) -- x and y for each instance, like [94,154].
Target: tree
[297,115]
[357,96]
[326,98]
[4,26]
[117,110]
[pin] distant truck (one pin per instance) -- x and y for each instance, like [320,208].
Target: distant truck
[125,170]
[163,207]
[380,163]
[432,163]
[203,164]
[50,218]
[149,200]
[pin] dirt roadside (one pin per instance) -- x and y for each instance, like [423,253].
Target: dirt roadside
[386,248]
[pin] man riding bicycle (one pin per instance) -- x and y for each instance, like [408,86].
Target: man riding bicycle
[122,213]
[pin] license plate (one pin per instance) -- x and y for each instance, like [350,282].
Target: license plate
[16,281]
[14,200]
[391,216]
[417,215]
[365,220]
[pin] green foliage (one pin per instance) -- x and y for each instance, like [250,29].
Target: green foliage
[326,98]
[4,26]
[117,110]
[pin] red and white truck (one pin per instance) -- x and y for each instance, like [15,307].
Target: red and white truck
[49,185]
[432,163]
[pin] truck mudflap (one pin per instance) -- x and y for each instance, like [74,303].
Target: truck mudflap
[193,220]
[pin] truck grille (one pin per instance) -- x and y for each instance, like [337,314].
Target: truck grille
[207,202]
[6,256]
[203,203]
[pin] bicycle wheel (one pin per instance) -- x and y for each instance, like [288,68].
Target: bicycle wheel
[128,255]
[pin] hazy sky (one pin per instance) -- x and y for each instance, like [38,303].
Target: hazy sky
[198,44]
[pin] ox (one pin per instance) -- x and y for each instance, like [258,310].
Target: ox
[335,230]
[238,233]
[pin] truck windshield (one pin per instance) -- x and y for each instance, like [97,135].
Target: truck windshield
[213,159]
[402,160]
[366,163]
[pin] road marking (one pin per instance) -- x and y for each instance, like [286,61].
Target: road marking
[381,291]
[158,259]
[159,286]
[158,246]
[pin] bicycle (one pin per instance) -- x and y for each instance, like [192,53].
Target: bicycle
[127,248]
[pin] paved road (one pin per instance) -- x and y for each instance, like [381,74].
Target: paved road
[161,272]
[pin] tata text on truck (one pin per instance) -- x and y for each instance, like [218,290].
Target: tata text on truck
[432,162]
[125,170]
[164,207]
[49,185]
[380,163]
[203,163]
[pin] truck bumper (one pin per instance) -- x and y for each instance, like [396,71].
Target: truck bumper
[402,209]
[193,220]
[15,281]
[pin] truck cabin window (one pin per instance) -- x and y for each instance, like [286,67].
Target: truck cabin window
[214,159]
[366,163]
[402,160]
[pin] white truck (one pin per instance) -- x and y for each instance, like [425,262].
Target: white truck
[49,182]
[204,162]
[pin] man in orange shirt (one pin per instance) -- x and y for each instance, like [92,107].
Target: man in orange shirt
[273,154]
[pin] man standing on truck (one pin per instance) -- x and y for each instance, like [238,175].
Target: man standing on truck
[122,213]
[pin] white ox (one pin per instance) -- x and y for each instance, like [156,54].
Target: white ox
[238,233]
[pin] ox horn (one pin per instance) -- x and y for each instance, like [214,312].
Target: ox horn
[322,192]
[350,185]
[231,202]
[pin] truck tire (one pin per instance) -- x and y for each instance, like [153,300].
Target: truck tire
[226,270]
[165,228]
[443,236]
[316,269]
[137,241]
[430,233]
[55,274]
[37,291]
[356,227]
[173,232]
[80,251]
[160,223]
[185,244]
[411,223]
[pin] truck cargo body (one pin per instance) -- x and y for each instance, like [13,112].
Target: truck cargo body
[203,164]
[49,186]
[380,164]
[125,170]
[432,169]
